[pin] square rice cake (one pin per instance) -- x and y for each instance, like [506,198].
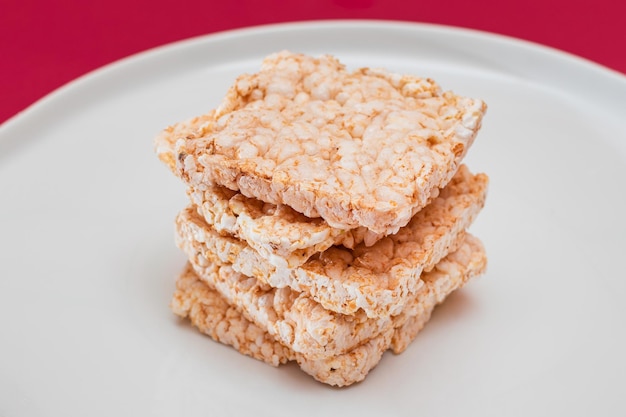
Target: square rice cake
[284,237]
[364,148]
[376,279]
[213,315]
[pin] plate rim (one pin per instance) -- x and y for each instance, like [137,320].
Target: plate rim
[550,54]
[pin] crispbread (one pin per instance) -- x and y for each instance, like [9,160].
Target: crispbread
[297,321]
[359,149]
[377,279]
[213,315]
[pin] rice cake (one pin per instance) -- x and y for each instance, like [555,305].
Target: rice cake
[284,237]
[359,149]
[377,279]
[214,316]
[296,320]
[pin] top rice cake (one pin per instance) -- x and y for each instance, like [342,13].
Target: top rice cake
[364,148]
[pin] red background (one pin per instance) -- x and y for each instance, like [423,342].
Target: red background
[44,44]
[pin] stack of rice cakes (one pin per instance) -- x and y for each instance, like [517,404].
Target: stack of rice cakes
[328,212]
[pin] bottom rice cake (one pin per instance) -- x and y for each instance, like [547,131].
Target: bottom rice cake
[213,315]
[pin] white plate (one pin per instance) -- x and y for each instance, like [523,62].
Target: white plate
[88,260]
